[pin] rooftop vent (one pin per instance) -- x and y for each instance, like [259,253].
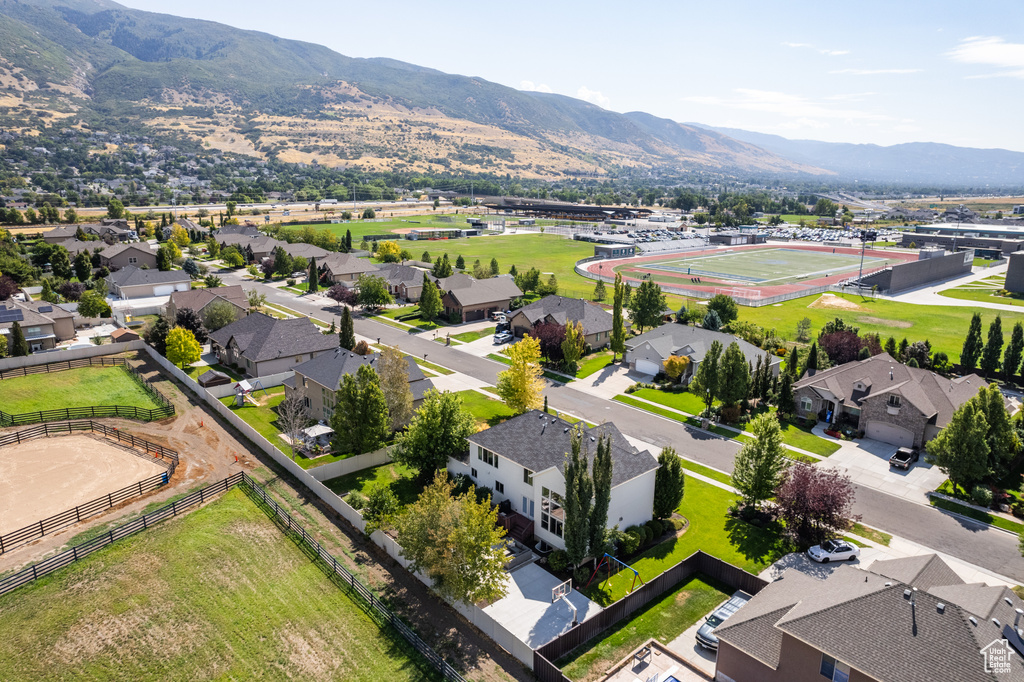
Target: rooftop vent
[1016,620]
[974,621]
[907,594]
[1008,601]
[890,374]
[940,607]
[995,621]
[565,430]
[888,584]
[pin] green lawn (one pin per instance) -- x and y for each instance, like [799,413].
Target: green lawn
[984,517]
[663,619]
[594,364]
[872,534]
[389,316]
[984,295]
[714,475]
[195,371]
[686,401]
[943,326]
[220,593]
[485,410]
[359,228]
[468,337]
[983,262]
[74,388]
[400,477]
[711,530]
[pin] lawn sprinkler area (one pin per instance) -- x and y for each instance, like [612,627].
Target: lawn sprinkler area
[766,266]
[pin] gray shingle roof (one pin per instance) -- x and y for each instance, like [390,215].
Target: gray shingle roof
[112,251]
[328,369]
[261,337]
[694,342]
[539,441]
[346,264]
[478,291]
[398,273]
[560,309]
[924,571]
[197,299]
[130,276]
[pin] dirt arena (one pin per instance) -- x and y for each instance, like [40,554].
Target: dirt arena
[49,475]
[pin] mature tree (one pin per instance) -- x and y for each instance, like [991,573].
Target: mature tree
[293,417]
[61,262]
[711,321]
[675,366]
[793,363]
[191,268]
[815,502]
[841,347]
[1014,351]
[579,493]
[972,345]
[314,277]
[734,375]
[785,401]
[373,292]
[761,463]
[993,347]
[164,259]
[550,335]
[3,347]
[648,305]
[705,380]
[725,306]
[360,417]
[179,235]
[8,287]
[669,484]
[520,385]
[573,346]
[19,346]
[960,449]
[212,247]
[192,321]
[837,325]
[599,291]
[341,294]
[430,300]
[618,339]
[495,271]
[389,252]
[182,347]
[83,266]
[346,331]
[282,262]
[1000,435]
[442,267]
[115,209]
[456,541]
[155,334]
[255,299]
[393,369]
[382,508]
[529,280]
[549,288]
[231,257]
[47,294]
[92,304]
[230,207]
[219,314]
[439,428]
[213,281]
[71,291]
[601,475]
[460,262]
[803,330]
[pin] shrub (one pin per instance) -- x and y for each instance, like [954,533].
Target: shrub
[356,500]
[629,542]
[730,414]
[581,576]
[677,524]
[484,493]
[463,483]
[1018,510]
[981,496]
[558,561]
[656,528]
[290,282]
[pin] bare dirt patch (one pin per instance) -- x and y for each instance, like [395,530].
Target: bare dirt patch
[834,302]
[899,324]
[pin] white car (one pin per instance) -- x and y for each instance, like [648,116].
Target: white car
[834,550]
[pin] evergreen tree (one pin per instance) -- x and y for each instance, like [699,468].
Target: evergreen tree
[360,417]
[761,463]
[712,322]
[426,257]
[494,267]
[430,300]
[902,353]
[669,484]
[348,240]
[756,388]
[61,263]
[971,350]
[442,267]
[890,347]
[1001,437]
[618,340]
[1014,351]
[19,346]
[599,291]
[812,359]
[793,362]
[460,262]
[47,293]
[705,381]
[786,403]
[346,330]
[512,271]
[602,478]
[734,375]
[993,347]
[579,492]
[314,276]
[83,266]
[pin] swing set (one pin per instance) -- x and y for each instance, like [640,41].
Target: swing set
[617,565]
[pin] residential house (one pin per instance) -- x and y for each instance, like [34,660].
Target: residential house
[317,381]
[596,321]
[889,401]
[475,299]
[121,255]
[242,230]
[901,620]
[133,282]
[303,250]
[647,352]
[345,267]
[522,461]
[75,247]
[404,281]
[262,247]
[260,345]
[199,299]
[43,324]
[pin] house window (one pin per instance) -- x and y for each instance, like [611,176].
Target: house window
[306,400]
[834,670]
[486,456]
[499,487]
[527,476]
[472,472]
[894,401]
[132,261]
[806,404]
[298,358]
[552,516]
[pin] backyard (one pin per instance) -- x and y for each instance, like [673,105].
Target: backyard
[220,593]
[74,388]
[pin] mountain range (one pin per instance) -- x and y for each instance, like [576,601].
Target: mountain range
[98,63]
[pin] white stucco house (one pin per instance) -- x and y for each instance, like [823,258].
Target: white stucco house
[522,461]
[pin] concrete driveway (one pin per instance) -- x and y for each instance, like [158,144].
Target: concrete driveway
[686,647]
[610,381]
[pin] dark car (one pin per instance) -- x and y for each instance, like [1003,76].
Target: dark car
[904,458]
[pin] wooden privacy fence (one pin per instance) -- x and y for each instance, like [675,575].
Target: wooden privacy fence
[62,366]
[698,562]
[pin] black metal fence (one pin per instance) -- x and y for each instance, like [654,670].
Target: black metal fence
[698,562]
[163,456]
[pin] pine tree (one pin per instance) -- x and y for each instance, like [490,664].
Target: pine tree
[1014,351]
[972,345]
[890,347]
[734,375]
[993,347]
[579,492]
[19,346]
[346,330]
[755,385]
[786,402]
[761,463]
[793,362]
[812,359]
[705,380]
[669,484]
[602,478]
[494,267]
[348,240]
[314,276]
[460,262]
[618,340]
[512,271]
[599,290]
[430,300]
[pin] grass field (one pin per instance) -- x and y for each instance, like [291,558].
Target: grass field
[220,593]
[401,478]
[74,388]
[486,411]
[943,326]
[361,228]
[985,290]
[664,619]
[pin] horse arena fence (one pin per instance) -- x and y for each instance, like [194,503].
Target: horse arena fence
[282,518]
[145,449]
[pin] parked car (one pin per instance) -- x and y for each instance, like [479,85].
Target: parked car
[903,458]
[299,273]
[503,327]
[834,550]
[706,636]
[503,337]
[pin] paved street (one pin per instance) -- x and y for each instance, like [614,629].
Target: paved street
[975,543]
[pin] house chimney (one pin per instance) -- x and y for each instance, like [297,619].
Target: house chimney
[890,374]
[1016,620]
[940,607]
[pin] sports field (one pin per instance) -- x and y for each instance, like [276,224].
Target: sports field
[765,266]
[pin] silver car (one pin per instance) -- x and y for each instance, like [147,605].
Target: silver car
[706,636]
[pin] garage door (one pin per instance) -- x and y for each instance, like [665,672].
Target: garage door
[473,315]
[647,367]
[163,290]
[889,433]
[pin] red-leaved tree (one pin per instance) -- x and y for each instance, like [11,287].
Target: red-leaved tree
[343,294]
[550,336]
[8,287]
[841,347]
[815,502]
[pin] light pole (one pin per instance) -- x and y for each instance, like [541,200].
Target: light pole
[959,217]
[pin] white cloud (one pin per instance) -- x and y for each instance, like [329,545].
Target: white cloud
[536,87]
[798,45]
[593,96]
[834,53]
[991,51]
[786,105]
[874,72]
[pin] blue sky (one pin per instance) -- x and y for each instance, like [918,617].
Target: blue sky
[865,72]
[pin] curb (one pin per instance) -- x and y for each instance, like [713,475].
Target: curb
[968,518]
